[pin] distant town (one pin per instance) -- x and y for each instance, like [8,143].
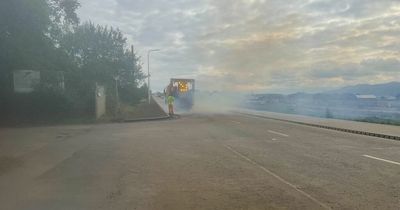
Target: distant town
[371,106]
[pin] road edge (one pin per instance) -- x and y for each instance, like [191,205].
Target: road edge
[364,133]
[147,119]
[159,105]
[165,117]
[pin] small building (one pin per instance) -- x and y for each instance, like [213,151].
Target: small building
[389,98]
[366,97]
[365,101]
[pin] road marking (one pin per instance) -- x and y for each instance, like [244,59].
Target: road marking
[278,177]
[277,133]
[380,148]
[236,122]
[388,161]
[274,139]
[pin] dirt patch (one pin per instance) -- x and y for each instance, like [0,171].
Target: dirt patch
[9,163]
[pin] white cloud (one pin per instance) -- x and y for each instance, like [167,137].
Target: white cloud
[260,45]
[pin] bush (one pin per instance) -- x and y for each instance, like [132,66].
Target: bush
[132,95]
[38,106]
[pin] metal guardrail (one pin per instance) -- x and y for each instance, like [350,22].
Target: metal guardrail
[365,133]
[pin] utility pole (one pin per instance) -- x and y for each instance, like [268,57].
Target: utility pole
[148,73]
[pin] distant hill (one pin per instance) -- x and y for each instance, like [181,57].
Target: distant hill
[387,89]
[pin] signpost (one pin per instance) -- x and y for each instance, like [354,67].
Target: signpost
[26,80]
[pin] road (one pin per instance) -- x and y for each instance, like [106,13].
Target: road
[201,161]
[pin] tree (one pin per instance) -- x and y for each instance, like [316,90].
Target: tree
[101,55]
[23,25]
[63,16]
[45,35]
[27,31]
[96,50]
[28,40]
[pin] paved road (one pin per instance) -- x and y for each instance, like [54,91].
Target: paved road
[197,162]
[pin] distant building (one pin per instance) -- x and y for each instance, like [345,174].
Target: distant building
[389,98]
[366,97]
[365,101]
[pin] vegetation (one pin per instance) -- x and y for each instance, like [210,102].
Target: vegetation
[46,35]
[378,120]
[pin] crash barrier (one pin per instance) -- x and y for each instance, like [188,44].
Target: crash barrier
[365,133]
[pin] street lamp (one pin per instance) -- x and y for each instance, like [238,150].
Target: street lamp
[148,72]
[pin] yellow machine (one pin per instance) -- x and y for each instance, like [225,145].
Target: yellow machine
[183,92]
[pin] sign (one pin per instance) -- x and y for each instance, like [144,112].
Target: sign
[26,80]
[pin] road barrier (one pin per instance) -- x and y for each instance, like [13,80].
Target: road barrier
[365,133]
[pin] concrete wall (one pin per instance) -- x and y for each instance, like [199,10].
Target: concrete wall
[100,101]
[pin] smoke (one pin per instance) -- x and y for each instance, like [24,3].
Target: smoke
[340,106]
[216,102]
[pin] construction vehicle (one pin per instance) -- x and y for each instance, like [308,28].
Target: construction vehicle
[183,90]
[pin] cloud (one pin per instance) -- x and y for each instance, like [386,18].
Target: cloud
[260,45]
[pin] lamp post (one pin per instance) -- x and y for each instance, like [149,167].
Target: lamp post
[148,73]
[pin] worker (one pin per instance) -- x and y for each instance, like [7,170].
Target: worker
[171,100]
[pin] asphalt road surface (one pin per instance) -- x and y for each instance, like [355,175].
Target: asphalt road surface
[197,162]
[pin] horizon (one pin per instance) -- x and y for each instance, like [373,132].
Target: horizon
[302,92]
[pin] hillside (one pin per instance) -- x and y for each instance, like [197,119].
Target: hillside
[387,89]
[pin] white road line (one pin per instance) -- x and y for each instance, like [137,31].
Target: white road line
[278,177]
[274,139]
[236,122]
[388,161]
[384,148]
[277,133]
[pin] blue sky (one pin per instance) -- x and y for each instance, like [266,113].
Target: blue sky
[260,45]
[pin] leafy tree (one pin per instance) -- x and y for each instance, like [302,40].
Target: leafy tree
[96,50]
[101,55]
[26,31]
[63,16]
[45,35]
[27,41]
[22,38]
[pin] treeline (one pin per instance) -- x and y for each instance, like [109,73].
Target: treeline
[47,36]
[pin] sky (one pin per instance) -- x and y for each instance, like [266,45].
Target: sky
[259,46]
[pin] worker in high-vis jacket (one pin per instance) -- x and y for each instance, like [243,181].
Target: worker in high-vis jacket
[171,101]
